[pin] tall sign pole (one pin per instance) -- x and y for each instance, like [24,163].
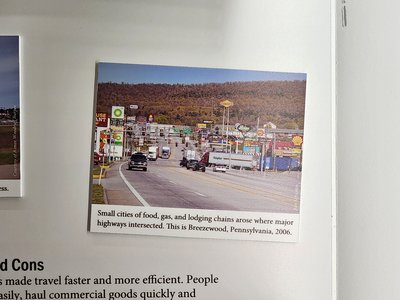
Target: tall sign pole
[117,127]
[223,123]
[261,135]
[226,104]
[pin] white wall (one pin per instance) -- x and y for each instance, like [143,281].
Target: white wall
[62,40]
[368,160]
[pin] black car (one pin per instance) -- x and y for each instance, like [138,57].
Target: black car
[138,161]
[196,165]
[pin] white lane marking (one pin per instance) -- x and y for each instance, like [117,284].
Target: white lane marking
[200,194]
[131,188]
[172,182]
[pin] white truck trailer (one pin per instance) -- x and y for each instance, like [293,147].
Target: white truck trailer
[153,153]
[231,160]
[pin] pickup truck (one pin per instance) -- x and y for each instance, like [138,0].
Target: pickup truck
[138,161]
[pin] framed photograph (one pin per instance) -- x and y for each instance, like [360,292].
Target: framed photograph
[10,171]
[197,152]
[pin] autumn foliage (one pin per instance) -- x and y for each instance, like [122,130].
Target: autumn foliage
[279,102]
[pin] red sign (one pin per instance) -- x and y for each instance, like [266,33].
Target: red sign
[101,119]
[103,140]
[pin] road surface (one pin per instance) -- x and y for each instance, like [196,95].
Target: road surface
[166,184]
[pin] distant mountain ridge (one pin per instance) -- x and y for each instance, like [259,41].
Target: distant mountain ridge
[279,102]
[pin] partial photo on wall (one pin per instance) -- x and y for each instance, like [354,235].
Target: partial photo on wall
[10,172]
[197,152]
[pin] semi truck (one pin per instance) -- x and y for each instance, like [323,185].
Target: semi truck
[165,152]
[153,153]
[189,154]
[232,160]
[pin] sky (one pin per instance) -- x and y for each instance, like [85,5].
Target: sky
[131,73]
[9,71]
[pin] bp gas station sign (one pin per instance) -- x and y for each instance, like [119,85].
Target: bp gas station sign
[117,129]
[117,112]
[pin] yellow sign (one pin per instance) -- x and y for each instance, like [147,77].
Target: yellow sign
[297,140]
[201,125]
[260,132]
[296,151]
[226,103]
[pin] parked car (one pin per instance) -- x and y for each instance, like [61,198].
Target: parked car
[138,161]
[196,165]
[219,168]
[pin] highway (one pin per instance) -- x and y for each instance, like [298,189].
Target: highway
[166,184]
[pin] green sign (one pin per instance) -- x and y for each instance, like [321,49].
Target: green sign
[117,112]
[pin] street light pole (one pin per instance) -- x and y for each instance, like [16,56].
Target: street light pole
[227,129]
[125,135]
[131,107]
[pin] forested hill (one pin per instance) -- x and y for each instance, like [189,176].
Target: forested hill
[279,102]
